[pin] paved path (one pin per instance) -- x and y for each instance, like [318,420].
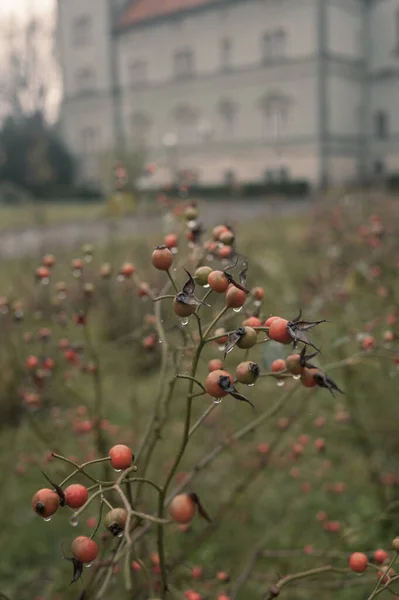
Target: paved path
[34,240]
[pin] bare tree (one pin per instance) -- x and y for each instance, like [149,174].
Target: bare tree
[29,73]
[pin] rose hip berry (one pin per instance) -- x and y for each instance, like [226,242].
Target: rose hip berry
[218,281]
[247,372]
[76,495]
[84,549]
[235,298]
[162,258]
[45,502]
[182,508]
[212,385]
[214,365]
[248,340]
[358,562]
[121,457]
[278,331]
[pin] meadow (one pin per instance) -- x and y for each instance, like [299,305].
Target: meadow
[293,486]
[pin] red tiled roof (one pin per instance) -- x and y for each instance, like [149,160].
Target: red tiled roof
[144,10]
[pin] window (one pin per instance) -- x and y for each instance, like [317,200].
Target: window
[381,124]
[82,31]
[275,113]
[141,125]
[225,54]
[138,72]
[184,64]
[227,110]
[274,45]
[90,140]
[85,80]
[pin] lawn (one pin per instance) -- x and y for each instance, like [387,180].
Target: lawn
[298,483]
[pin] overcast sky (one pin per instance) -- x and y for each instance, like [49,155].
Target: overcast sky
[20,7]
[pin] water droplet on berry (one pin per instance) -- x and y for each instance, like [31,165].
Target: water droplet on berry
[120,535]
[251,384]
[120,278]
[217,400]
[118,470]
[47,519]
[237,310]
[76,273]
[296,377]
[144,298]
[88,258]
[221,348]
[209,257]
[73,521]
[174,250]
[88,565]
[257,303]
[184,321]
[206,286]
[45,281]
[280,383]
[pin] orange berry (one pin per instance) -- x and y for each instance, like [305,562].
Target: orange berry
[182,508]
[45,502]
[84,549]
[278,331]
[358,562]
[235,298]
[162,258]
[121,456]
[218,281]
[213,386]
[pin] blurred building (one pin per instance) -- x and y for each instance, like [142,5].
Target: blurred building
[245,89]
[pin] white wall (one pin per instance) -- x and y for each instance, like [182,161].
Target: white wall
[244,23]
[385,35]
[96,54]
[344,28]
[344,98]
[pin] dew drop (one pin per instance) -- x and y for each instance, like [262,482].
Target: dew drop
[144,298]
[120,535]
[76,273]
[209,257]
[88,565]
[174,250]
[47,519]
[296,377]
[73,521]
[184,321]
[206,286]
[221,348]
[190,244]
[118,470]
[120,278]
[45,281]
[159,341]
[88,258]
[257,303]
[251,384]
[192,223]
[217,400]
[280,383]
[237,310]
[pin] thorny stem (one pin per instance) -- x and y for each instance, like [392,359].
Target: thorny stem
[202,418]
[172,281]
[304,574]
[184,442]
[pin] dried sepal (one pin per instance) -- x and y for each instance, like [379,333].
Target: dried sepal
[232,340]
[226,385]
[56,487]
[297,328]
[77,565]
[186,296]
[201,510]
[324,381]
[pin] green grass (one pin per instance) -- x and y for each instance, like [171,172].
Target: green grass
[296,269]
[42,214]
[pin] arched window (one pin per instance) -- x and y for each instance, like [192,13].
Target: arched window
[140,128]
[227,109]
[274,108]
[186,119]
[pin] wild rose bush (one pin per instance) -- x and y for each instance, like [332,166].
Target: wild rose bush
[247,466]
